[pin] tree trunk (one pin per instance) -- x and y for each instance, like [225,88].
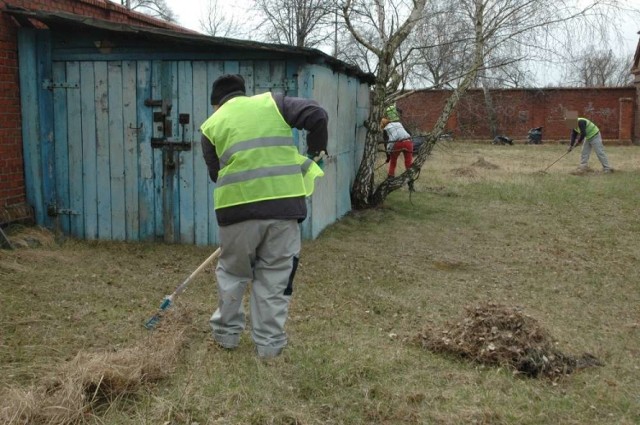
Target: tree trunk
[364,182]
[363,194]
[491,110]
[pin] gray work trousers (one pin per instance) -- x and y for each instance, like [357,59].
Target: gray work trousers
[596,143]
[261,252]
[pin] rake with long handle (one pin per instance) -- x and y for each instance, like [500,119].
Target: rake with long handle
[168,300]
[563,155]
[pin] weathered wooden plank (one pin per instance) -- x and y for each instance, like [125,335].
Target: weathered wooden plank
[277,75]
[116,150]
[231,67]
[323,211]
[29,87]
[200,175]
[292,70]
[246,70]
[74,138]
[146,178]
[346,111]
[346,141]
[89,150]
[130,150]
[325,91]
[185,169]
[214,70]
[305,90]
[344,167]
[261,76]
[158,156]
[102,150]
[324,86]
[171,189]
[60,137]
[45,127]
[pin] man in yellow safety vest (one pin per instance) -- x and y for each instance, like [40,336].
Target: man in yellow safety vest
[584,130]
[259,199]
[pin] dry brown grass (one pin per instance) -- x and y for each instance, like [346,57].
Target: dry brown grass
[74,390]
[26,236]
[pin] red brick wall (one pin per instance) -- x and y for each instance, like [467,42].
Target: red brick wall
[636,129]
[12,184]
[519,110]
[11,169]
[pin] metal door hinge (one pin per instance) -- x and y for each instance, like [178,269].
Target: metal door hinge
[50,85]
[286,84]
[53,211]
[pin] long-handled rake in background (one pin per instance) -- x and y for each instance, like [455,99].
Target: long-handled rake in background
[563,155]
[168,300]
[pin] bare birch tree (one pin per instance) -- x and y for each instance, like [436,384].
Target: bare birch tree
[600,68]
[156,8]
[380,26]
[217,22]
[441,46]
[301,23]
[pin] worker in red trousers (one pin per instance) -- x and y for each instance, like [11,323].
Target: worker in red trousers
[398,141]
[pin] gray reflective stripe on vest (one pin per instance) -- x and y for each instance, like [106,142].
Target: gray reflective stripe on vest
[266,142]
[305,166]
[243,176]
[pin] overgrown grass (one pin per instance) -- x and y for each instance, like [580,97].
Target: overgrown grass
[562,247]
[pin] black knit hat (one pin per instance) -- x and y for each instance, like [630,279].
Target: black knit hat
[226,85]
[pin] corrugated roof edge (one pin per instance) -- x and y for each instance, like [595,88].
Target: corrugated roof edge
[52,19]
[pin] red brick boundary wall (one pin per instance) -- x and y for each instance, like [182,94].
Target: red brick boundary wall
[613,110]
[13,205]
[635,70]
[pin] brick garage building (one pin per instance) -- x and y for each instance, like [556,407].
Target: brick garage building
[13,204]
[614,110]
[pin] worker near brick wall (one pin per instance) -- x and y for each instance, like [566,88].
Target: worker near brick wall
[398,141]
[261,185]
[583,130]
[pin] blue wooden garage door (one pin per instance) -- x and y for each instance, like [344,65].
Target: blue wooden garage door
[110,182]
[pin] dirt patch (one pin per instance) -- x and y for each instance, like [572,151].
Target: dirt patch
[464,172]
[583,172]
[482,163]
[496,335]
[448,265]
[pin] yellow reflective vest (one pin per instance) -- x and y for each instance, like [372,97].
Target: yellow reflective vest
[258,159]
[591,128]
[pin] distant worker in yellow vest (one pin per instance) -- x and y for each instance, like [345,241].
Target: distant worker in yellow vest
[261,185]
[583,130]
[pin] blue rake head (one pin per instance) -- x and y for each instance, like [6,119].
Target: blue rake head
[153,321]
